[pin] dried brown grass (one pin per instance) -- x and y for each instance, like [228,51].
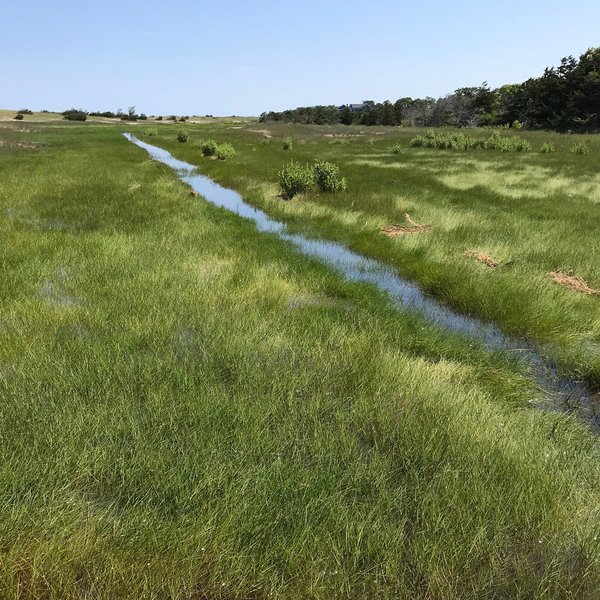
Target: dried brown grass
[485,259]
[412,227]
[577,284]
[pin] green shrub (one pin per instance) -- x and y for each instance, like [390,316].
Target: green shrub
[74,115]
[459,141]
[580,148]
[225,151]
[18,117]
[159,118]
[209,147]
[288,143]
[182,136]
[513,144]
[516,124]
[418,141]
[295,178]
[396,149]
[151,131]
[547,147]
[327,177]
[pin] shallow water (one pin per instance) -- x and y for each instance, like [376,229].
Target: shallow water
[561,392]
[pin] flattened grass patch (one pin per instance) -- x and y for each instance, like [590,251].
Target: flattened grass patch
[485,259]
[577,284]
[412,227]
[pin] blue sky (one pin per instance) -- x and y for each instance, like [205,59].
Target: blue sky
[224,57]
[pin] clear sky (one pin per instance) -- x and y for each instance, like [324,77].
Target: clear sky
[223,57]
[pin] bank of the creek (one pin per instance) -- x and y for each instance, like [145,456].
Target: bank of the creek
[559,391]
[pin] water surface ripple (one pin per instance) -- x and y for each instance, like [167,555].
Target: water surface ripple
[561,392]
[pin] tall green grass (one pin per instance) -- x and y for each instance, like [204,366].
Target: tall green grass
[190,409]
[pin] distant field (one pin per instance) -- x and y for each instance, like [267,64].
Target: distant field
[191,409]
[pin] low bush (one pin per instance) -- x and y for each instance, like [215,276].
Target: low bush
[513,144]
[327,177]
[547,147]
[580,148]
[182,137]
[396,149]
[459,141]
[225,151]
[208,147]
[74,115]
[24,111]
[18,117]
[517,124]
[295,178]
[159,118]
[288,143]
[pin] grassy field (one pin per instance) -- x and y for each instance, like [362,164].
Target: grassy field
[533,213]
[190,409]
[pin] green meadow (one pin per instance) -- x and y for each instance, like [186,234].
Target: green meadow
[192,409]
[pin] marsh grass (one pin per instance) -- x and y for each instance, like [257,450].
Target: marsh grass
[216,416]
[537,211]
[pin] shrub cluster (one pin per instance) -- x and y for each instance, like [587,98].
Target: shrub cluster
[547,147]
[182,137]
[295,178]
[74,115]
[225,151]
[208,147]
[221,151]
[327,177]
[288,143]
[460,141]
[580,148]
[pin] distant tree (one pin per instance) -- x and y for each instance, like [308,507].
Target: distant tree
[388,114]
[346,117]
[562,98]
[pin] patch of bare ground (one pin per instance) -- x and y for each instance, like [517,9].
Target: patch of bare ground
[20,145]
[577,284]
[488,261]
[265,132]
[412,227]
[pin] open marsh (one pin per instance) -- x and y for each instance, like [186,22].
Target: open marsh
[194,409]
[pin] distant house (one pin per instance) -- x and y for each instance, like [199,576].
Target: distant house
[353,107]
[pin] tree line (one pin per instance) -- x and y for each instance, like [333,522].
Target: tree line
[564,98]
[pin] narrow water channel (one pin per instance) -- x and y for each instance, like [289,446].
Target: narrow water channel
[560,392]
